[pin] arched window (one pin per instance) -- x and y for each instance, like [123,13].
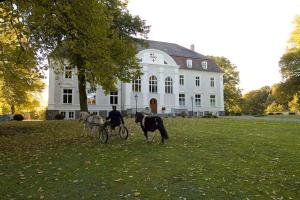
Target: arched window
[168,85]
[136,85]
[153,84]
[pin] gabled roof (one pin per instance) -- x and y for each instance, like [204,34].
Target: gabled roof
[180,54]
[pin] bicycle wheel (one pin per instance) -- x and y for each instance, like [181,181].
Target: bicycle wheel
[123,132]
[103,135]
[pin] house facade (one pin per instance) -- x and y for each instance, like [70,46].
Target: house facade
[175,80]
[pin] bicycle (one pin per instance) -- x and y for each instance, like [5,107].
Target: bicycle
[105,132]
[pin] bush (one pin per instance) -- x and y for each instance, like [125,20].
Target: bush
[292,113]
[278,113]
[238,114]
[270,113]
[209,115]
[59,116]
[183,114]
[18,117]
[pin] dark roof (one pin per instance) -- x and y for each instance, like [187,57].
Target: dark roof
[180,54]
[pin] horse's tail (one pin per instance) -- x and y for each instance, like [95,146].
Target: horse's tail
[162,129]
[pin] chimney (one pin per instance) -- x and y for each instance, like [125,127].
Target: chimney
[193,47]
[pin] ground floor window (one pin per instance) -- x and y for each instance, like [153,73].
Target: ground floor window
[63,114]
[212,100]
[182,99]
[113,98]
[71,115]
[198,99]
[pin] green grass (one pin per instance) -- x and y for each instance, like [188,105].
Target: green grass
[285,116]
[204,159]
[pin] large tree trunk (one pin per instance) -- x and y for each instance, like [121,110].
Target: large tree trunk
[12,109]
[82,89]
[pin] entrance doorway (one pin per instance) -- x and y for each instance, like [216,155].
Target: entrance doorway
[153,105]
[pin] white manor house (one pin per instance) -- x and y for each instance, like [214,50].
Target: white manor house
[175,80]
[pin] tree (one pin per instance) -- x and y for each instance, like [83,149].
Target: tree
[294,104]
[255,101]
[96,37]
[231,79]
[20,76]
[290,63]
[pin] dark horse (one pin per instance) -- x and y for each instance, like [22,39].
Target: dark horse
[151,123]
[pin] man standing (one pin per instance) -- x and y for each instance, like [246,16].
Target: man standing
[115,118]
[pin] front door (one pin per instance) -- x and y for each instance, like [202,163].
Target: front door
[153,105]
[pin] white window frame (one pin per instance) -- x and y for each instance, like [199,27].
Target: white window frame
[181,99]
[137,85]
[114,98]
[189,63]
[169,85]
[68,94]
[198,100]
[197,81]
[68,72]
[153,84]
[212,82]
[212,100]
[181,79]
[204,64]
[89,92]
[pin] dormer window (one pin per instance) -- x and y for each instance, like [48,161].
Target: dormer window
[204,64]
[189,63]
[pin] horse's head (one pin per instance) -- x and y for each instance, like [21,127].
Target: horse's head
[139,117]
[83,116]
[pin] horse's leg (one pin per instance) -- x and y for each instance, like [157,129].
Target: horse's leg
[163,131]
[146,135]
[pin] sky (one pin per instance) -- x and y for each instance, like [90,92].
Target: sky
[252,34]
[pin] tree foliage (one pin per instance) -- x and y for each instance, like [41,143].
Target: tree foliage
[294,104]
[20,77]
[290,64]
[255,101]
[274,107]
[99,38]
[231,79]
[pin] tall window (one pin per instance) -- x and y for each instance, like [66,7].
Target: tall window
[136,85]
[212,100]
[189,63]
[197,81]
[181,80]
[153,84]
[68,72]
[67,96]
[198,99]
[169,85]
[91,96]
[113,98]
[182,99]
[212,82]
[204,64]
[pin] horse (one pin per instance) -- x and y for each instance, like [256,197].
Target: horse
[151,123]
[90,121]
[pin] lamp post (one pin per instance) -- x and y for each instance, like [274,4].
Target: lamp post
[192,99]
[136,98]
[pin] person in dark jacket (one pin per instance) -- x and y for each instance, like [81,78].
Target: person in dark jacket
[115,118]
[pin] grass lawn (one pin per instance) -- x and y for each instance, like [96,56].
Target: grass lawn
[204,159]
